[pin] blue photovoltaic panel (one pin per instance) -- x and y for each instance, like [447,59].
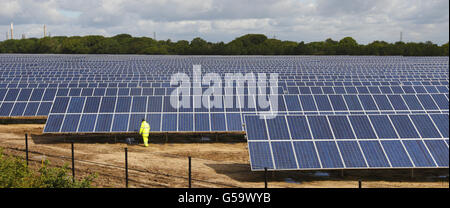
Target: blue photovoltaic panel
[123,104]
[169,122]
[53,123]
[44,108]
[260,155]
[104,122]
[218,122]
[382,102]
[234,122]
[397,102]
[412,102]
[11,95]
[2,94]
[439,151]
[396,154]
[60,105]
[168,106]
[307,102]
[441,101]
[256,128]
[404,126]
[31,109]
[323,104]
[299,127]
[87,123]
[367,102]
[329,154]
[353,102]
[70,123]
[283,155]
[320,127]
[201,121]
[6,108]
[362,127]
[341,127]
[120,123]
[154,104]
[338,103]
[108,105]
[92,105]
[427,102]
[154,120]
[418,153]
[24,95]
[18,109]
[306,155]
[425,126]
[374,153]
[139,104]
[76,105]
[383,126]
[292,103]
[351,154]
[442,123]
[278,129]
[49,94]
[186,122]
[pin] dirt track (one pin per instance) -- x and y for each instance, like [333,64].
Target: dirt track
[213,165]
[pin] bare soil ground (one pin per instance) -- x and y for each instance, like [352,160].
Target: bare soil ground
[213,165]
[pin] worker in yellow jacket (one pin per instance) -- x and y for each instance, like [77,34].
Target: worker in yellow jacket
[144,131]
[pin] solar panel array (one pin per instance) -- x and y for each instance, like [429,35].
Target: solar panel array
[348,141]
[325,104]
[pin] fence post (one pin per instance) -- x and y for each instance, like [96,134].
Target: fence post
[26,148]
[126,167]
[265,177]
[190,173]
[73,163]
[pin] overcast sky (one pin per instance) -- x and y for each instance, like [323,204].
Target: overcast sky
[223,20]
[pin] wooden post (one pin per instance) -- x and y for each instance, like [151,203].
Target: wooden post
[265,177]
[126,167]
[190,172]
[73,163]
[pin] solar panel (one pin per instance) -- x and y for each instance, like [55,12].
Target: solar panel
[333,111]
[347,141]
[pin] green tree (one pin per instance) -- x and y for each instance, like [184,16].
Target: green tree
[348,46]
[107,46]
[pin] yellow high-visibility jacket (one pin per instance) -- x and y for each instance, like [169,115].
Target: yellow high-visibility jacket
[145,128]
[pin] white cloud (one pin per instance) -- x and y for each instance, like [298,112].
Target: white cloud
[218,20]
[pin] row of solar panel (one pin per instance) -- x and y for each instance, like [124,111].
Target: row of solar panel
[307,127]
[287,103]
[131,68]
[30,109]
[13,93]
[31,83]
[367,90]
[183,122]
[11,109]
[281,82]
[289,155]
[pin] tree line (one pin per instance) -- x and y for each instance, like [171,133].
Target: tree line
[250,44]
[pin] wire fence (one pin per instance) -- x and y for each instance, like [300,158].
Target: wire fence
[132,175]
[127,170]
